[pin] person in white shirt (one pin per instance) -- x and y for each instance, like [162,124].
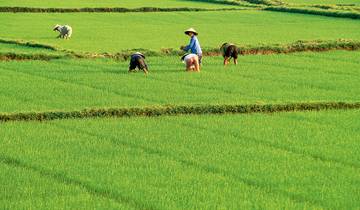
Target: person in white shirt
[191,62]
[65,31]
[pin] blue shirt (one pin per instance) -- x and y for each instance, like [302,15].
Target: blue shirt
[194,46]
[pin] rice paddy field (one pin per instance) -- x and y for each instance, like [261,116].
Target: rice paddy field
[281,159]
[200,162]
[153,30]
[70,84]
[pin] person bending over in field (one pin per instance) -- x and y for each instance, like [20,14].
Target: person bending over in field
[194,45]
[65,31]
[137,60]
[229,51]
[191,62]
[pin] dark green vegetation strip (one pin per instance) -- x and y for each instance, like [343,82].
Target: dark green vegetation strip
[329,13]
[177,110]
[113,9]
[302,46]
[346,7]
[298,46]
[23,56]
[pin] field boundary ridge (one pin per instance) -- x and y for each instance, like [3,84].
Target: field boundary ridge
[113,9]
[338,11]
[314,11]
[261,49]
[25,57]
[174,110]
[266,2]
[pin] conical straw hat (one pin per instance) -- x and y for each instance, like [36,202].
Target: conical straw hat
[139,53]
[191,30]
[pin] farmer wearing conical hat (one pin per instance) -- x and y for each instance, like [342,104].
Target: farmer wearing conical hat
[65,31]
[229,51]
[194,45]
[138,60]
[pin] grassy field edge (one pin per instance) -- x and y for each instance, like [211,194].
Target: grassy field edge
[110,9]
[298,46]
[173,110]
[321,12]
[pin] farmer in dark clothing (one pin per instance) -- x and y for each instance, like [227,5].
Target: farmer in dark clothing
[138,60]
[229,51]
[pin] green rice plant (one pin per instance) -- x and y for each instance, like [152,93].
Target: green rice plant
[98,137]
[28,44]
[16,50]
[36,185]
[23,51]
[77,84]
[112,33]
[277,161]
